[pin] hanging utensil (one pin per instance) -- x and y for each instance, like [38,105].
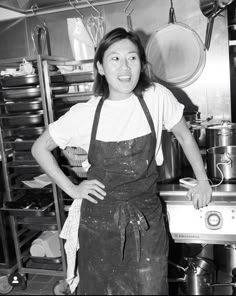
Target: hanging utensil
[40,39]
[40,36]
[92,29]
[95,26]
[128,17]
[176,53]
[210,9]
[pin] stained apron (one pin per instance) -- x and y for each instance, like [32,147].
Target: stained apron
[123,240]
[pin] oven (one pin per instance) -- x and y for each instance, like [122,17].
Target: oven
[214,224]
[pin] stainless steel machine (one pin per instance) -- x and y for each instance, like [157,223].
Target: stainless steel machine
[214,224]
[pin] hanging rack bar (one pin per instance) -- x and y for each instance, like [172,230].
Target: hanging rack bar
[33,7]
[126,7]
[61,8]
[99,13]
[76,9]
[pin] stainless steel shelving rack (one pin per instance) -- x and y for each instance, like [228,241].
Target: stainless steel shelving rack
[56,98]
[17,133]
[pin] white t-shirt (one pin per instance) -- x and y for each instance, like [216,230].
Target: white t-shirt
[119,120]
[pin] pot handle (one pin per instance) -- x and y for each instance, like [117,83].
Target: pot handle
[176,265]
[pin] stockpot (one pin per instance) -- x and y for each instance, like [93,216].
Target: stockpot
[222,134]
[221,163]
[199,274]
[229,254]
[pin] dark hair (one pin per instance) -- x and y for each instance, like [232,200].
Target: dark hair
[100,86]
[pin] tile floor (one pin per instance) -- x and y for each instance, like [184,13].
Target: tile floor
[43,285]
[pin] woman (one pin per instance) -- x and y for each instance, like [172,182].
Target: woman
[123,240]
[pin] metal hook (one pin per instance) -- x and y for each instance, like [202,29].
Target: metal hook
[125,10]
[94,8]
[33,7]
[76,9]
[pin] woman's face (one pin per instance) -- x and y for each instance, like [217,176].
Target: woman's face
[121,67]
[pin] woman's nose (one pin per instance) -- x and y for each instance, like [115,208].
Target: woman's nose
[124,64]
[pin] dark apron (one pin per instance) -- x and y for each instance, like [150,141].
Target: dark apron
[123,240]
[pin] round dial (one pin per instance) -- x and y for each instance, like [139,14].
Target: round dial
[213,220]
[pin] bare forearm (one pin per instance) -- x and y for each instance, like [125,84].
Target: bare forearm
[42,152]
[194,157]
[191,149]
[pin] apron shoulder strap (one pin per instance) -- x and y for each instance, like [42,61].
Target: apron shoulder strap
[95,127]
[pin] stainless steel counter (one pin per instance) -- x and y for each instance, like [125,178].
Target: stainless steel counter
[177,192]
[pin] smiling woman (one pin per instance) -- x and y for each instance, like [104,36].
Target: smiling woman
[121,65]
[117,213]
[176,54]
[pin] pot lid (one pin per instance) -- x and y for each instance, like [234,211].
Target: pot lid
[223,125]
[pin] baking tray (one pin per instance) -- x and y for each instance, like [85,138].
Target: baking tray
[16,181]
[23,157]
[9,81]
[79,77]
[60,89]
[31,204]
[19,144]
[21,169]
[23,119]
[23,106]
[45,260]
[46,222]
[71,99]
[20,93]
[25,133]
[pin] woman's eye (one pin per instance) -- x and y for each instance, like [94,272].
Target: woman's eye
[132,58]
[115,58]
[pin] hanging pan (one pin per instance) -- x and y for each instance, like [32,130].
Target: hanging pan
[210,9]
[176,53]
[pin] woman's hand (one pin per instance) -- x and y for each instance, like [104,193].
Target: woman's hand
[200,194]
[88,189]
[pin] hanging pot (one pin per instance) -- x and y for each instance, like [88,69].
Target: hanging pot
[198,275]
[210,9]
[176,54]
[222,134]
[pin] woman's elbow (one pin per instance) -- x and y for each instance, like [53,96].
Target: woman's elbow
[35,149]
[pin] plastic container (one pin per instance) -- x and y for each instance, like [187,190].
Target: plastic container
[46,245]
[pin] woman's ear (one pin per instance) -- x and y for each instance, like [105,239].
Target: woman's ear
[100,68]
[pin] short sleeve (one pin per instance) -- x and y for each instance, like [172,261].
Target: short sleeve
[172,109]
[62,130]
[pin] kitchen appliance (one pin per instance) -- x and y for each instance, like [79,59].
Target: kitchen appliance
[214,224]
